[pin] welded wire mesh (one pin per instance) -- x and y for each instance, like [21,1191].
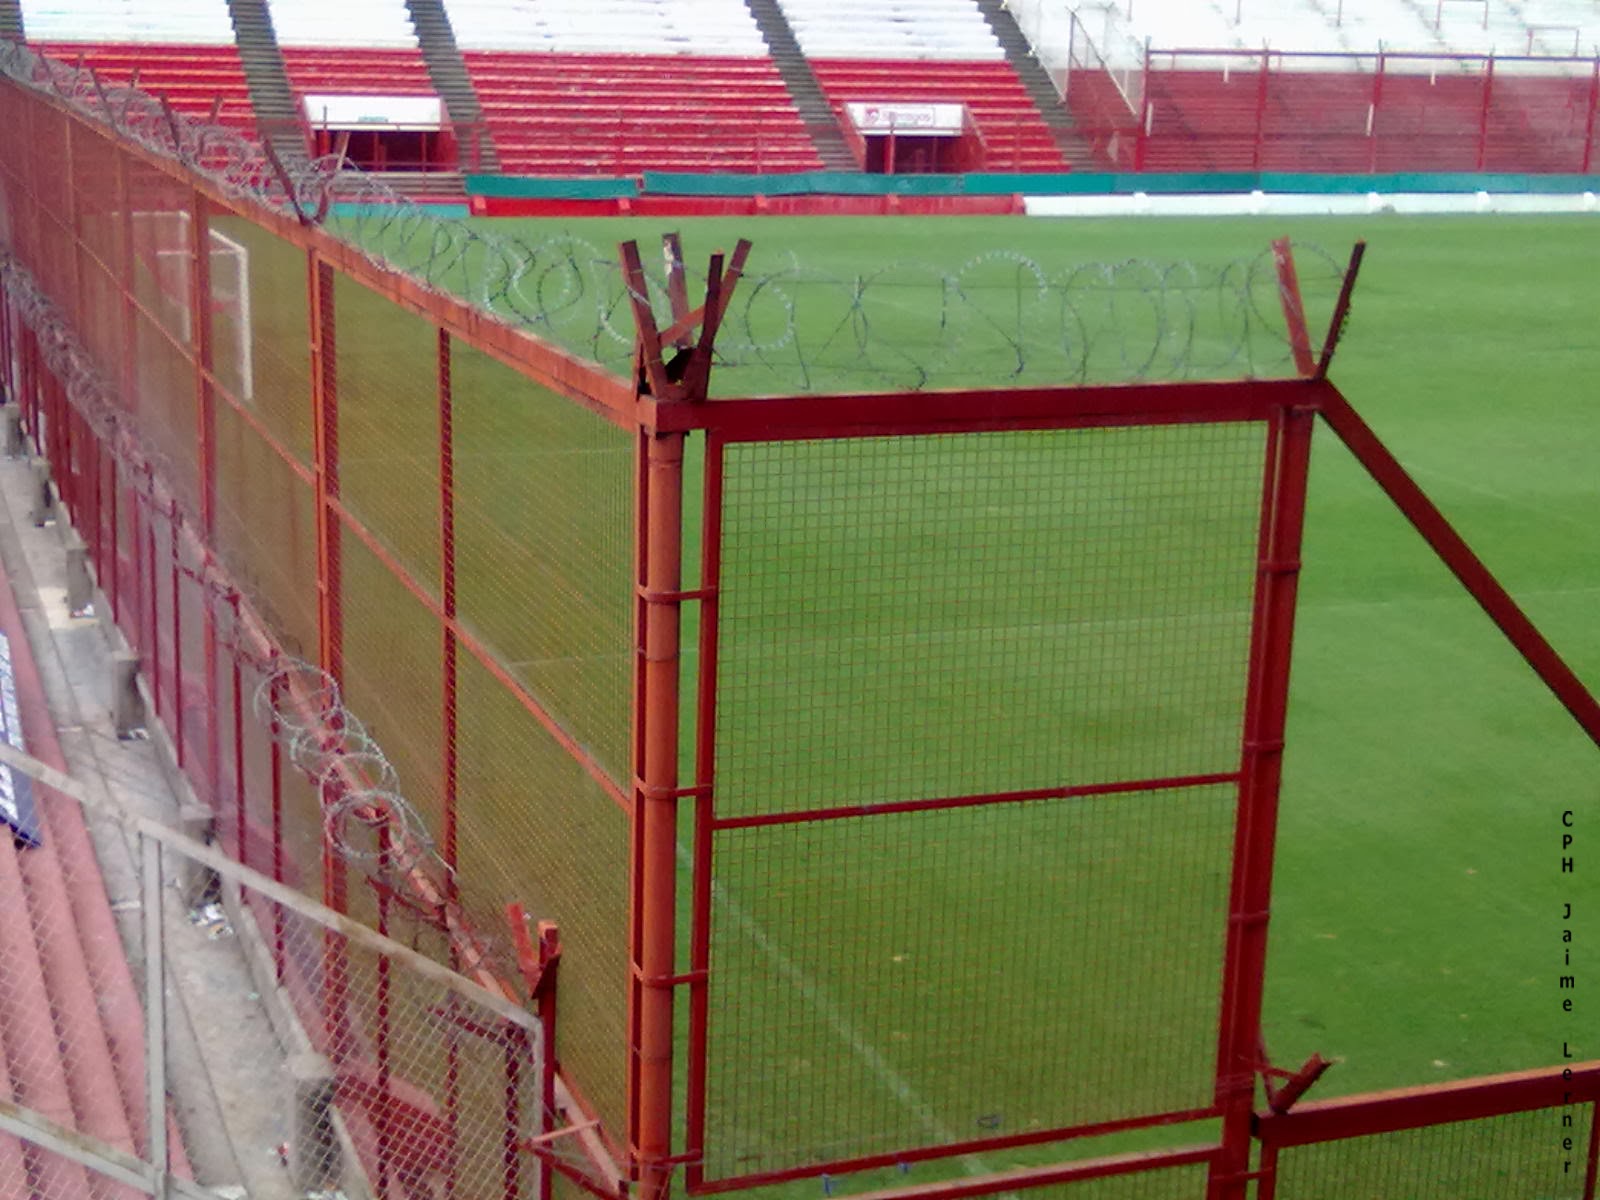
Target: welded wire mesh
[544,548]
[928,978]
[339,788]
[942,615]
[1521,1156]
[536,828]
[345,1060]
[389,427]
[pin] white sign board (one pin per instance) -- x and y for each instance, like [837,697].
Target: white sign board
[16,789]
[375,112]
[928,120]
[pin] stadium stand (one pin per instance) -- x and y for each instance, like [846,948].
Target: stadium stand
[183,52]
[1540,27]
[197,23]
[712,27]
[597,114]
[1015,135]
[925,51]
[657,84]
[356,23]
[1432,100]
[892,29]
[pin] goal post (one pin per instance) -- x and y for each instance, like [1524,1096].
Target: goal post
[163,250]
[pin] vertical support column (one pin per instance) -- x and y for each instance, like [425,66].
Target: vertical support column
[74,306]
[549,965]
[449,643]
[1255,830]
[1589,122]
[1141,135]
[155,1000]
[705,809]
[1483,115]
[659,619]
[330,630]
[1263,86]
[201,322]
[129,366]
[7,357]
[450,767]
[1372,118]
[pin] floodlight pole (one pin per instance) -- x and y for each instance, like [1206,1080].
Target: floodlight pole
[658,535]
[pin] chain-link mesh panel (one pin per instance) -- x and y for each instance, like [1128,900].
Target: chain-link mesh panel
[266,529]
[416,1087]
[944,615]
[1521,1156]
[394,678]
[389,427]
[544,548]
[934,977]
[535,828]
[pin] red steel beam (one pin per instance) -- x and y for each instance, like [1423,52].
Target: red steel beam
[976,410]
[1435,1104]
[1143,1162]
[205,466]
[705,786]
[1036,1137]
[977,800]
[1294,309]
[655,834]
[1255,832]
[1454,552]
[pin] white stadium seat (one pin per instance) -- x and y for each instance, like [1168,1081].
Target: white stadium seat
[706,27]
[194,23]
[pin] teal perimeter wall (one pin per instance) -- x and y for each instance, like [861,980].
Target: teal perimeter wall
[665,183]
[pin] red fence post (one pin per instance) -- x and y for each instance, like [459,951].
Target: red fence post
[1141,135]
[655,868]
[1483,115]
[449,647]
[330,629]
[1594,108]
[705,809]
[205,471]
[1263,85]
[1266,712]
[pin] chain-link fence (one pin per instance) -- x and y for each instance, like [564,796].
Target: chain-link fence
[367,1068]
[960,749]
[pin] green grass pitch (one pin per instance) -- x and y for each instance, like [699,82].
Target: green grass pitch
[1415,932]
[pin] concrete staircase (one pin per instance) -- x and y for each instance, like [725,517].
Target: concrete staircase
[821,121]
[11,20]
[1019,53]
[448,71]
[278,117]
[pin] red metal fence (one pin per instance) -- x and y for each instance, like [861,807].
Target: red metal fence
[1144,108]
[759,700]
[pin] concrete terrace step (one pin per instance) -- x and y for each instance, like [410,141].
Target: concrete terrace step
[452,80]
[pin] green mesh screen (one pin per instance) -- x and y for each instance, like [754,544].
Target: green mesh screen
[946,616]
[926,978]
[544,547]
[930,616]
[1515,1157]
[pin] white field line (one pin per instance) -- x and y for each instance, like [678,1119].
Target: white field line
[817,997]
[1499,497]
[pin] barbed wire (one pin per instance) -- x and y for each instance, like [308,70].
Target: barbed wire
[1001,318]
